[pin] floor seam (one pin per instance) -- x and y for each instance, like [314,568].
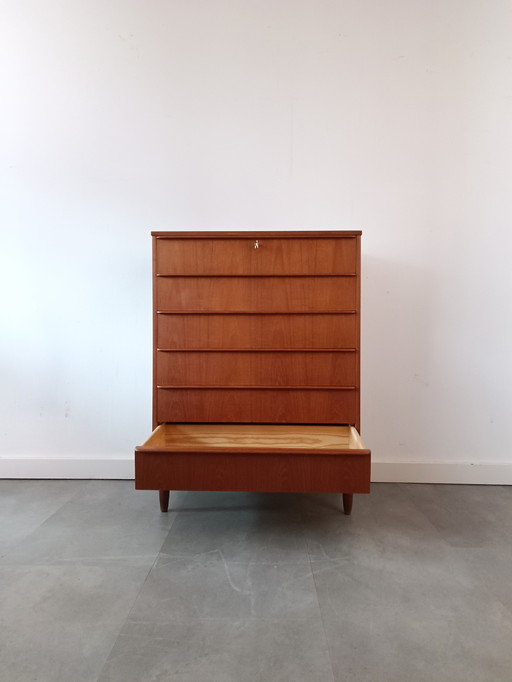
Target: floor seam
[37,528]
[321,617]
[157,556]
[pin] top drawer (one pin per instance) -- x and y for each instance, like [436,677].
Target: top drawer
[261,256]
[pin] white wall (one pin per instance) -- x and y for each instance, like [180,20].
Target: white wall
[393,117]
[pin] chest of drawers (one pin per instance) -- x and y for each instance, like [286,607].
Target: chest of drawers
[256,364]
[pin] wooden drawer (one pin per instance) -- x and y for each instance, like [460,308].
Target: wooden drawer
[218,331]
[308,472]
[324,406]
[332,256]
[248,368]
[256,294]
[275,438]
[256,457]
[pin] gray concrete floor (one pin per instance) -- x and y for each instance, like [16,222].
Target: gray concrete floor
[96,585]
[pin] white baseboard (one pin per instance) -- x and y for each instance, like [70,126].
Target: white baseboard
[71,467]
[477,473]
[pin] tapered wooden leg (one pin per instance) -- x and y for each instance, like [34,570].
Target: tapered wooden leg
[348,499]
[164,500]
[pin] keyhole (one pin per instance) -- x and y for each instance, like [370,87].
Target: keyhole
[256,245]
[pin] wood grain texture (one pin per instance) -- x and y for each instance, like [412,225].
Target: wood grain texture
[271,257]
[249,368]
[269,438]
[256,294]
[257,331]
[254,472]
[293,405]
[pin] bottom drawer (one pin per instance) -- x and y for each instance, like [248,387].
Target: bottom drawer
[255,458]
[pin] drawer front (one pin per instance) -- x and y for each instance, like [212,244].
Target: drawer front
[257,331]
[257,294]
[325,406]
[313,472]
[256,369]
[327,256]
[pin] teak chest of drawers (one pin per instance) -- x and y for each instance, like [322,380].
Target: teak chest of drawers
[256,352]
